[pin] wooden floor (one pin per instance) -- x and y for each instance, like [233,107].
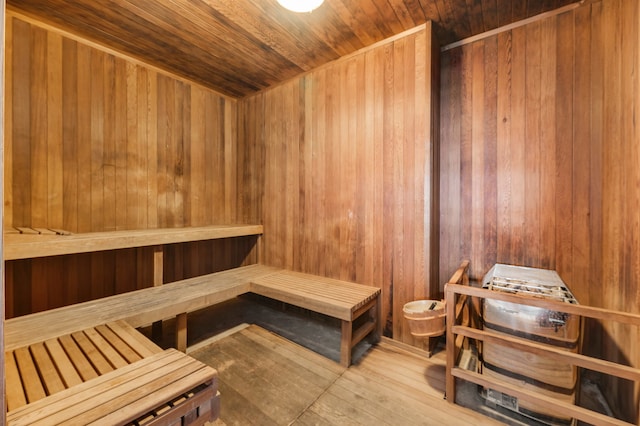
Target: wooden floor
[268,380]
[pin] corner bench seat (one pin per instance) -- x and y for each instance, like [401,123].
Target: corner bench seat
[339,299]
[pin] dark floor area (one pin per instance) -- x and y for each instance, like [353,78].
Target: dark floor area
[311,330]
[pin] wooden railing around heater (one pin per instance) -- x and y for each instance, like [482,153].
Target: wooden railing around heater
[462,307]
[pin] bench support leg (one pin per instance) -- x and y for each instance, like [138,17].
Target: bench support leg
[371,327]
[181,332]
[374,315]
[158,276]
[345,343]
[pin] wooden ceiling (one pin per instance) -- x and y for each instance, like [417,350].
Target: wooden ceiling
[238,47]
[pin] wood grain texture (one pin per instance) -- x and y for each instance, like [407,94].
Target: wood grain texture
[263,375]
[240,47]
[348,158]
[23,246]
[99,142]
[558,187]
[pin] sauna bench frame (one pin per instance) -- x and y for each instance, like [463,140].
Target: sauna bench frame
[109,374]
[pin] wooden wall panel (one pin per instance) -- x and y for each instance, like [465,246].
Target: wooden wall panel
[3,95]
[338,166]
[99,142]
[539,159]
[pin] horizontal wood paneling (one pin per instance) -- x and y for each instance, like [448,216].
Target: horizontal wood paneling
[337,165]
[539,162]
[97,142]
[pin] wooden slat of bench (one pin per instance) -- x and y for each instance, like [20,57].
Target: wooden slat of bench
[113,357]
[137,308]
[77,358]
[29,374]
[336,298]
[48,373]
[30,243]
[63,364]
[140,344]
[119,345]
[95,357]
[15,392]
[123,394]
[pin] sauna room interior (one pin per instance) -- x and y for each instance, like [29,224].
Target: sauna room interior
[397,149]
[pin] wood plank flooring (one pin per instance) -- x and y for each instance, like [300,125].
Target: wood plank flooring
[268,380]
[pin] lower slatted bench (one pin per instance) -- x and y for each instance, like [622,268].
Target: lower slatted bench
[109,374]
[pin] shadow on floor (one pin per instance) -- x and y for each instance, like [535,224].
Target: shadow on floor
[311,330]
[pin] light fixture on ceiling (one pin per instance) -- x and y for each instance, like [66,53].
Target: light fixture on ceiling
[300,5]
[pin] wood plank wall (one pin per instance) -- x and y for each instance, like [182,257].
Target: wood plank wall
[540,153]
[96,141]
[338,166]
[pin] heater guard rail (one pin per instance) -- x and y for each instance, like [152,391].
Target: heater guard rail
[461,327]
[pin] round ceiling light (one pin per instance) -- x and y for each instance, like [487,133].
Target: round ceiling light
[300,5]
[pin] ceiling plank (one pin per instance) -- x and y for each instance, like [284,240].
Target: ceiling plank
[238,47]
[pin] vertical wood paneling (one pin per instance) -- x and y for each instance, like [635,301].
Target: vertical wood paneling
[548,138]
[54,131]
[581,161]
[562,192]
[99,142]
[347,157]
[7,178]
[38,124]
[565,147]
[70,163]
[109,158]
[84,135]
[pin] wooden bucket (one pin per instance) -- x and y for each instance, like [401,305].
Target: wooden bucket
[425,317]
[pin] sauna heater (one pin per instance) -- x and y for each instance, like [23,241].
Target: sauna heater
[544,375]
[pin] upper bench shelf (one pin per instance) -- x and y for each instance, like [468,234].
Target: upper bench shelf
[53,243]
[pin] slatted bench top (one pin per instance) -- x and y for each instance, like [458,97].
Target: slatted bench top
[335,298]
[137,308]
[45,242]
[45,368]
[124,395]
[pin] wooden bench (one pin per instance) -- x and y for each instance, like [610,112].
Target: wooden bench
[29,338]
[110,374]
[138,308]
[339,299]
[27,243]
